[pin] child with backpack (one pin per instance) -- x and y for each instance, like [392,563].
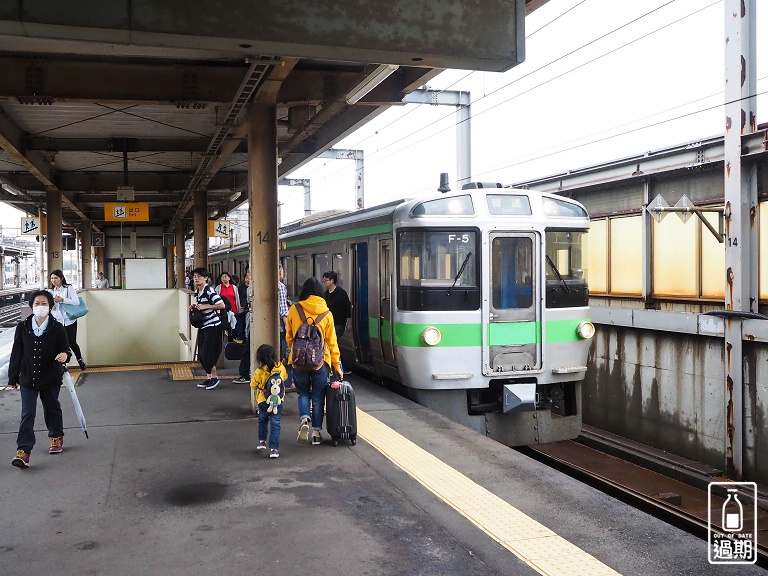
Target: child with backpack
[269,383]
[311,338]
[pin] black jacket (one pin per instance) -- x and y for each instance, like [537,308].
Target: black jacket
[32,363]
[339,305]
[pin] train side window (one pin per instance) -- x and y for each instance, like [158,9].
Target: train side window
[337,265]
[319,265]
[302,272]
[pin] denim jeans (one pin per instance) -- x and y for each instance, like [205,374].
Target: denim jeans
[51,412]
[311,385]
[264,420]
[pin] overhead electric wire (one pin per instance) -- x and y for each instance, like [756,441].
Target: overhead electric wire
[415,108]
[534,87]
[525,161]
[399,140]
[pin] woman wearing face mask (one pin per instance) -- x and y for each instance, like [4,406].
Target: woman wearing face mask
[40,348]
[66,293]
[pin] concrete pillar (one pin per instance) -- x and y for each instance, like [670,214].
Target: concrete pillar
[55,257]
[180,265]
[262,207]
[170,277]
[87,254]
[200,228]
[740,222]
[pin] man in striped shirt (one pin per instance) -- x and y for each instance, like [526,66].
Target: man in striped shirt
[209,334]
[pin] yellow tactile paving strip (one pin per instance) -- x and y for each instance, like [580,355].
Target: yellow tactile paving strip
[532,542]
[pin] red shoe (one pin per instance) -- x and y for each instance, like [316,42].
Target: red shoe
[57,445]
[21,460]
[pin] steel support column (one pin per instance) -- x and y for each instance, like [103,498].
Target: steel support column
[86,256]
[200,228]
[262,210]
[53,209]
[180,264]
[740,216]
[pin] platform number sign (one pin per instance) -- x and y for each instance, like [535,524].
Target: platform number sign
[97,239]
[30,226]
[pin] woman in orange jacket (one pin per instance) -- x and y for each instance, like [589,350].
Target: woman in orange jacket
[310,384]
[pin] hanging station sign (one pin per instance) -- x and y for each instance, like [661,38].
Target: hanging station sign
[218,228]
[126,212]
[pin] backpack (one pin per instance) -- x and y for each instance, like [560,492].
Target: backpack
[308,344]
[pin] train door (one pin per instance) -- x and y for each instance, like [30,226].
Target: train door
[360,325]
[511,312]
[386,327]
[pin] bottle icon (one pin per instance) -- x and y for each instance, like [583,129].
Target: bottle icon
[733,512]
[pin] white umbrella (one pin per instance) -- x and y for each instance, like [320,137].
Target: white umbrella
[75,402]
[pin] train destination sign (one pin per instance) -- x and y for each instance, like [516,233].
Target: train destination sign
[126,212]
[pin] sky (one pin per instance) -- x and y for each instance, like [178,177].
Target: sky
[602,80]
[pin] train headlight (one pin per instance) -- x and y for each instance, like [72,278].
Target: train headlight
[431,336]
[585,330]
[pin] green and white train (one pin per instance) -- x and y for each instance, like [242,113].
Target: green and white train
[475,301]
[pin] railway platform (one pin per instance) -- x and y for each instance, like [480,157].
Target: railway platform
[170,482]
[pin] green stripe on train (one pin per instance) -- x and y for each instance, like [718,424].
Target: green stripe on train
[499,333]
[356,233]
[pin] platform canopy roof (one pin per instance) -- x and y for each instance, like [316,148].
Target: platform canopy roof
[152,95]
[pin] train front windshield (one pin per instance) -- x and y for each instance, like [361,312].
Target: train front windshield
[438,270]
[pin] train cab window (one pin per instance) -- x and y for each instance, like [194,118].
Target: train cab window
[438,270]
[565,263]
[319,265]
[302,272]
[454,206]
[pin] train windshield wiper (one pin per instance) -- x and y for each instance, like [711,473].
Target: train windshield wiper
[562,281]
[460,272]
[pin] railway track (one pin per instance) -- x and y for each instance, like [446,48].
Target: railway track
[9,315]
[675,491]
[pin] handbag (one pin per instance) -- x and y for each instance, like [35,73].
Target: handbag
[196,317]
[75,311]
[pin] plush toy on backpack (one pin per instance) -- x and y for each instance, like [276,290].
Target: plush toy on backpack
[274,400]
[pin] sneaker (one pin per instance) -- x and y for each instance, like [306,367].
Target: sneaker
[21,460]
[262,445]
[274,453]
[317,440]
[241,380]
[204,383]
[82,363]
[57,445]
[212,384]
[303,432]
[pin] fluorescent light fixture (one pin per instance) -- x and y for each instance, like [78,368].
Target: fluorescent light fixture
[11,190]
[370,82]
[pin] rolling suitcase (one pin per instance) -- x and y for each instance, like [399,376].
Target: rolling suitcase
[340,413]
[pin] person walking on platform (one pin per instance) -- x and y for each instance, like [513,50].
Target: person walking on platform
[66,293]
[311,382]
[339,305]
[269,383]
[40,349]
[242,295]
[102,282]
[209,334]
[227,290]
